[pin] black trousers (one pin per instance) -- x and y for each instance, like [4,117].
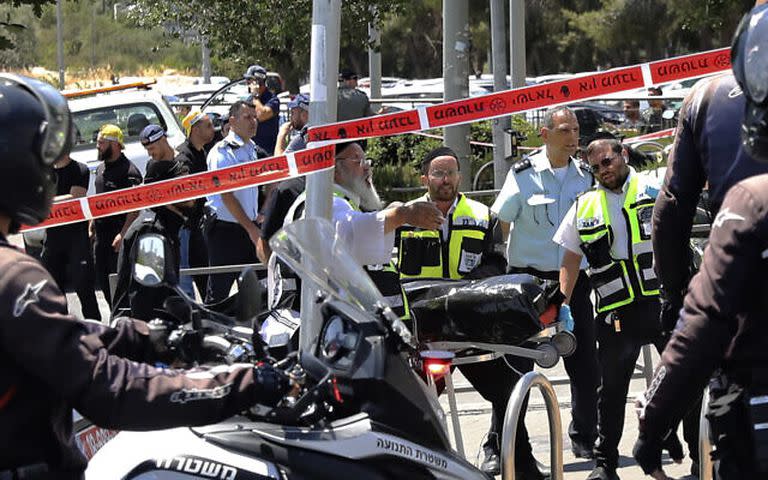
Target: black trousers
[617,354]
[228,244]
[69,261]
[105,260]
[582,366]
[494,381]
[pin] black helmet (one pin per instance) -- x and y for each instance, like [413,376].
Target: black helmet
[35,131]
[749,58]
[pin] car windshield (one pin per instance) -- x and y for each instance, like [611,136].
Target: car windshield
[130,118]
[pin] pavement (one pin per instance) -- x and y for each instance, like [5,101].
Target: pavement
[475,417]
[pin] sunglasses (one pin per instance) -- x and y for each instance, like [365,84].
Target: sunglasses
[605,162]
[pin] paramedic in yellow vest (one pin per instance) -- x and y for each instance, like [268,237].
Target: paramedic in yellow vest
[367,229]
[610,225]
[465,246]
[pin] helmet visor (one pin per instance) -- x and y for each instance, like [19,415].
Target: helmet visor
[756,55]
[56,130]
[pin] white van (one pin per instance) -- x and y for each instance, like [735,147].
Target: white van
[131,111]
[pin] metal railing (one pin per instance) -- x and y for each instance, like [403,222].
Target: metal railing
[200,271]
[512,417]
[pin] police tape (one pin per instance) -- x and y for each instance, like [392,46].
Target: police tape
[190,187]
[519,100]
[321,138]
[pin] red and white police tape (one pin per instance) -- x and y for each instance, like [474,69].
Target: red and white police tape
[522,99]
[447,114]
[190,187]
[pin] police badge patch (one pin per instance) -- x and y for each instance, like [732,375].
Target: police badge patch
[583,223]
[645,216]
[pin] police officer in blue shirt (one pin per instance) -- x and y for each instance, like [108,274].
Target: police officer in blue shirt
[267,107]
[536,195]
[233,235]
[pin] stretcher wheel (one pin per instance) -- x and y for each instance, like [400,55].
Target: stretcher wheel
[565,343]
[549,355]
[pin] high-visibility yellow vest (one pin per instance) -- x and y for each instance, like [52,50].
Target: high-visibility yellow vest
[618,282]
[423,253]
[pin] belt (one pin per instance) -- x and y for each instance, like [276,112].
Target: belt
[34,471]
[554,275]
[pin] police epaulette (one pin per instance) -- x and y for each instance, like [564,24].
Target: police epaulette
[521,165]
[234,145]
[583,165]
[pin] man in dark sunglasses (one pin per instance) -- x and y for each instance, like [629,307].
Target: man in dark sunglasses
[610,226]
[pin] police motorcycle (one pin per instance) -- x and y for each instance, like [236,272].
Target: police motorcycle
[186,330]
[363,410]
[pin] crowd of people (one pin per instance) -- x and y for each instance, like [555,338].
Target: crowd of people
[584,217]
[222,230]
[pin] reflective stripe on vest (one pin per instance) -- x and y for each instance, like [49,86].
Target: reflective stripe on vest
[616,282]
[421,253]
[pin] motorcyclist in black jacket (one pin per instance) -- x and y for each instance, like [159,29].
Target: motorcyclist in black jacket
[49,361]
[723,329]
[707,150]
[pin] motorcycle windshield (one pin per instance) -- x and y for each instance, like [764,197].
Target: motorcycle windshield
[312,249]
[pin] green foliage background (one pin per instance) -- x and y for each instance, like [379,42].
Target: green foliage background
[93,39]
[398,157]
[561,35]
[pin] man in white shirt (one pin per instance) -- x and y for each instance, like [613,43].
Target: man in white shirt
[610,225]
[368,231]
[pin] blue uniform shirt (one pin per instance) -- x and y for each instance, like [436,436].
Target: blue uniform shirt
[232,150]
[535,203]
[266,134]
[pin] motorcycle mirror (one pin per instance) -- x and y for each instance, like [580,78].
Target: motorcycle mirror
[249,296]
[149,268]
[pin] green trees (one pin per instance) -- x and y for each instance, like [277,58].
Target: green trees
[561,35]
[93,38]
[273,34]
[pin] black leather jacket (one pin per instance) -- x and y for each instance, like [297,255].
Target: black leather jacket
[50,363]
[724,318]
[707,149]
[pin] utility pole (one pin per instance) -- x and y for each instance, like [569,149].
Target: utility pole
[501,142]
[323,72]
[206,60]
[456,77]
[517,42]
[374,60]
[60,44]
